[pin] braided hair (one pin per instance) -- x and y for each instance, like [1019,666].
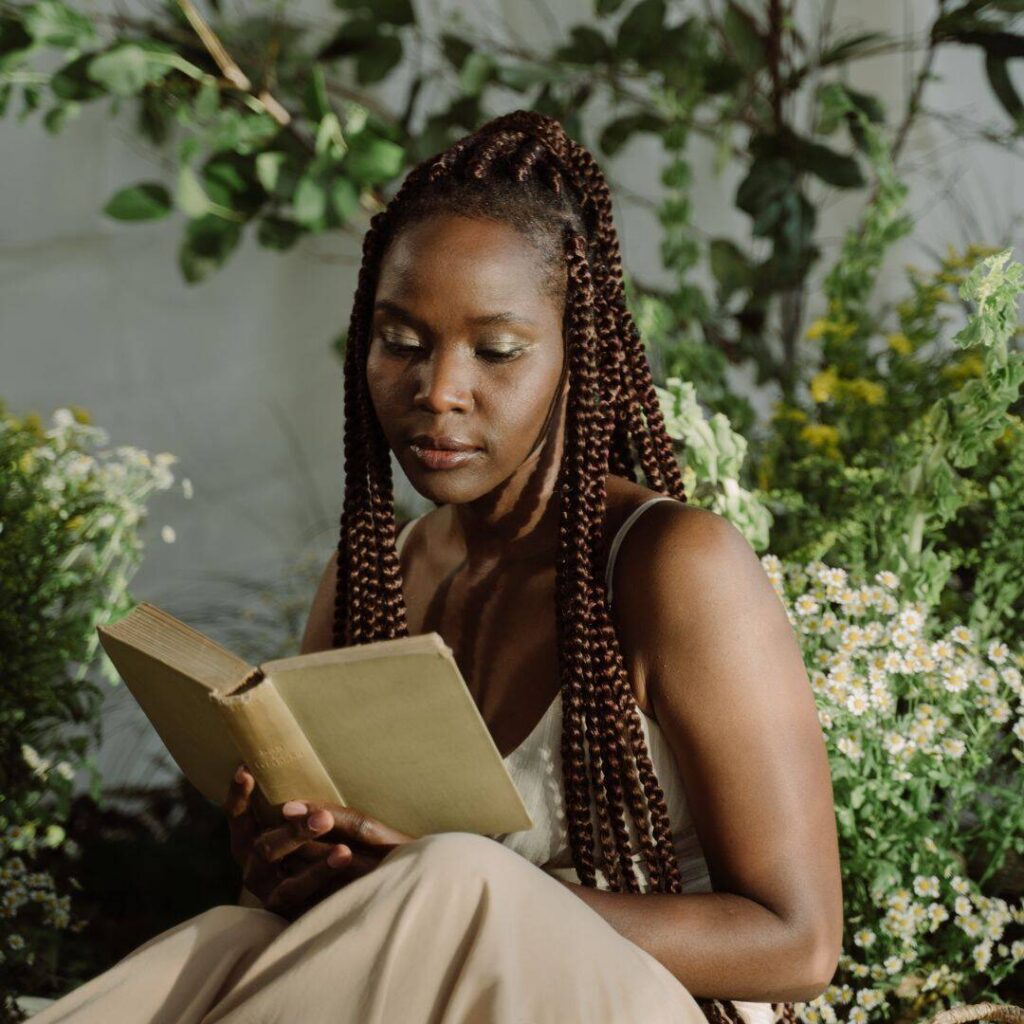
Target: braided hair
[522,169]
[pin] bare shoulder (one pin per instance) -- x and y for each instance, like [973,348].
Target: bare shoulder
[687,580]
[319,633]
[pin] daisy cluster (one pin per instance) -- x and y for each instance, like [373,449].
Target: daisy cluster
[87,504]
[29,900]
[925,733]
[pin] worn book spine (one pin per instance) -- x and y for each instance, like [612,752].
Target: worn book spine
[272,745]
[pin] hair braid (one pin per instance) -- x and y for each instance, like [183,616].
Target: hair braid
[523,169]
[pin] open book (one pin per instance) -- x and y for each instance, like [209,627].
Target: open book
[389,728]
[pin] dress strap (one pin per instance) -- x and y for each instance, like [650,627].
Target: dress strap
[621,535]
[404,533]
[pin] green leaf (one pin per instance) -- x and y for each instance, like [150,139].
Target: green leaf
[617,133]
[277,233]
[146,201]
[393,12]
[603,7]
[208,242]
[743,37]
[55,24]
[730,267]
[13,37]
[190,197]
[128,68]
[832,167]
[309,206]
[640,27]
[155,118]
[455,49]
[344,198]
[851,46]
[72,82]
[207,101]
[1004,89]
[586,46]
[317,103]
[372,160]
[57,117]
[1004,45]
[477,71]
[377,61]
[230,180]
[268,169]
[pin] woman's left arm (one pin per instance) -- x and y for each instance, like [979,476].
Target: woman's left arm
[723,670]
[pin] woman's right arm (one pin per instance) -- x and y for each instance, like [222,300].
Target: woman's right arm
[318,636]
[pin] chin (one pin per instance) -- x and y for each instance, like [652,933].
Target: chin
[448,486]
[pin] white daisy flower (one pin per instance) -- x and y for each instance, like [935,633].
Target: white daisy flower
[956,679]
[850,747]
[954,748]
[997,652]
[857,701]
[961,634]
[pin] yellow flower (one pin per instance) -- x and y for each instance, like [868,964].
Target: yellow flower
[971,365]
[900,343]
[34,423]
[817,329]
[820,435]
[74,522]
[823,384]
[27,462]
[789,412]
[81,414]
[866,390]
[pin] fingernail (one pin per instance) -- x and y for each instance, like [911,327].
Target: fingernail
[338,856]
[293,808]
[240,773]
[319,820]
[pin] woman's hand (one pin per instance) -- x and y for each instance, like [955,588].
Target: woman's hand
[320,849]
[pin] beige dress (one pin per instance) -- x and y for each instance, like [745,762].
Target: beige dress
[451,929]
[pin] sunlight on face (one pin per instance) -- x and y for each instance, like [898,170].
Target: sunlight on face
[466,343]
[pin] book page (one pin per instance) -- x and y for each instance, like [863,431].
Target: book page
[171,670]
[402,736]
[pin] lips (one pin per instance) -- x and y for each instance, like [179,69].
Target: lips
[443,443]
[442,452]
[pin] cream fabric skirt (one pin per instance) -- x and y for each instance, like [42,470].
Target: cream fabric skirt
[451,929]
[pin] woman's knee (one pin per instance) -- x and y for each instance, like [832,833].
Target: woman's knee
[462,855]
[250,924]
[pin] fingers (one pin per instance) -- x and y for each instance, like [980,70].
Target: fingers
[241,821]
[327,874]
[344,824]
[276,843]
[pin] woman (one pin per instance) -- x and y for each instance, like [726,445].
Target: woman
[684,856]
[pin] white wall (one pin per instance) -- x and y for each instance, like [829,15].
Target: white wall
[235,375]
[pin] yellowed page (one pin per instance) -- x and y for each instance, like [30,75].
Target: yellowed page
[402,736]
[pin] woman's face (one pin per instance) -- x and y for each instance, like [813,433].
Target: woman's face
[466,348]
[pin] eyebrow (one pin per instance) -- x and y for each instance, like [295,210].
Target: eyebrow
[486,320]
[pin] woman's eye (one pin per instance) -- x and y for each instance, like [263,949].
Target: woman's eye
[499,355]
[399,346]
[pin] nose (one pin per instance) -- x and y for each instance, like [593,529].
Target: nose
[444,384]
